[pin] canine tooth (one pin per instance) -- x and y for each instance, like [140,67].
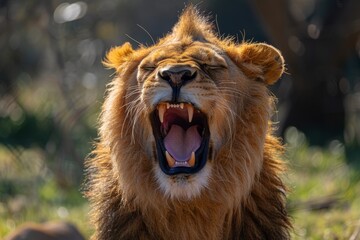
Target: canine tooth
[190,109]
[169,159]
[161,109]
[167,105]
[191,162]
[182,105]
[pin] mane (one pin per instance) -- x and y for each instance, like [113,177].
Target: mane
[193,25]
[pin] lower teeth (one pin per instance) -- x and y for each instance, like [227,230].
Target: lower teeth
[173,163]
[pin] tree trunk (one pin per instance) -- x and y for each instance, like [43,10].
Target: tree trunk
[316,51]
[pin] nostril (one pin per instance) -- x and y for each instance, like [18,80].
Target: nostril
[188,75]
[165,75]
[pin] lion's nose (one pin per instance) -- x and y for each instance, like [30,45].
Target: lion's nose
[177,76]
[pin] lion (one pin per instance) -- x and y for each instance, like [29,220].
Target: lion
[186,149]
[46,231]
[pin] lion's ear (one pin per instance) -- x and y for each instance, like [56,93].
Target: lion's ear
[260,61]
[118,55]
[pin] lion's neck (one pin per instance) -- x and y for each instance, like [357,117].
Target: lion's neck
[197,219]
[255,216]
[213,215]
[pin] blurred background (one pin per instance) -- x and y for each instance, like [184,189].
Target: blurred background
[52,84]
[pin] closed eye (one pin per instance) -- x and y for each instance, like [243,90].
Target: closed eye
[215,67]
[210,68]
[149,68]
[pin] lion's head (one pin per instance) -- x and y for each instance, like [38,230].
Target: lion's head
[190,113]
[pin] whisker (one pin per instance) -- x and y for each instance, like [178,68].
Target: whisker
[140,109]
[134,39]
[147,33]
[129,111]
[235,91]
[217,25]
[132,93]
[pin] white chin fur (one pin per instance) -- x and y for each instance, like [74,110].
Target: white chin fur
[183,186]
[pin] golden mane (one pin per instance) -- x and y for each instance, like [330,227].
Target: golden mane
[186,148]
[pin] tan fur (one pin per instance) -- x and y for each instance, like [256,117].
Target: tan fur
[239,193]
[46,231]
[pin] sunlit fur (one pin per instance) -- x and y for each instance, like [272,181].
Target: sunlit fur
[239,193]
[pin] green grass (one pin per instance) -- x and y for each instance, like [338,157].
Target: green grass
[321,178]
[46,212]
[29,192]
[323,199]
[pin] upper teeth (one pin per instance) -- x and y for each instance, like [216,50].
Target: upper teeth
[162,107]
[190,110]
[161,110]
[180,105]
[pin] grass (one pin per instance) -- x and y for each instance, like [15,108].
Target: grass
[325,190]
[29,192]
[46,212]
[323,201]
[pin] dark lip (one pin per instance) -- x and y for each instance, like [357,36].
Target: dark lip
[201,154]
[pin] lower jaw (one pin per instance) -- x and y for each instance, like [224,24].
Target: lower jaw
[200,158]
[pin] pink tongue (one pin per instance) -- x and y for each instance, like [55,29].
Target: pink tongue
[180,143]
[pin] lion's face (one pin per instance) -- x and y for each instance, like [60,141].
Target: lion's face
[183,86]
[185,98]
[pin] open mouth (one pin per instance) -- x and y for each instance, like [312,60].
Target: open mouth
[182,137]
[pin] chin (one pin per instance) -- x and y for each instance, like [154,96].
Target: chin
[183,186]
